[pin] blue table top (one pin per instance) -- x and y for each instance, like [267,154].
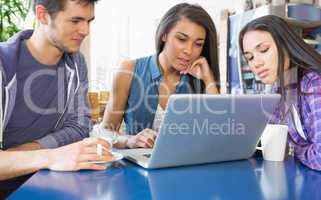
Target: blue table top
[246,179]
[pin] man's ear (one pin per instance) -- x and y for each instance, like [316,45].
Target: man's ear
[42,14]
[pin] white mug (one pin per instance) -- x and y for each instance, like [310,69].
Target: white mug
[100,131]
[109,136]
[273,141]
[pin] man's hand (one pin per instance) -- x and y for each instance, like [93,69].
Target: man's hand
[26,147]
[79,155]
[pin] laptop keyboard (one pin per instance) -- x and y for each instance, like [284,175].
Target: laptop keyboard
[147,155]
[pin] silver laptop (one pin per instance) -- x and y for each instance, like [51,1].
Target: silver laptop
[207,128]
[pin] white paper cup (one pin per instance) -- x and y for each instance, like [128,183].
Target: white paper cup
[273,141]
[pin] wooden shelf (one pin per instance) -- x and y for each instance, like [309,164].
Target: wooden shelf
[301,15]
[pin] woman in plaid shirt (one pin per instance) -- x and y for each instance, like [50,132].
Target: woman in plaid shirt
[278,56]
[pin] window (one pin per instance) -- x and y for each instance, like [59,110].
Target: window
[126,29]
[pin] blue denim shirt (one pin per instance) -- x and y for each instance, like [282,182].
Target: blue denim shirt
[143,95]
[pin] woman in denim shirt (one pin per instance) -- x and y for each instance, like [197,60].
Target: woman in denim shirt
[278,56]
[185,62]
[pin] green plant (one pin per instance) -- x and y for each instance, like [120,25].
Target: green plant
[12,13]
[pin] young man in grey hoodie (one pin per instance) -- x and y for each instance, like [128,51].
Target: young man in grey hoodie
[44,87]
[45,78]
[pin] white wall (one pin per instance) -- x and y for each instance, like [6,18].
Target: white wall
[125,29]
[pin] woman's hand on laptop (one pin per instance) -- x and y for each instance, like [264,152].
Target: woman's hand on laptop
[144,139]
[79,155]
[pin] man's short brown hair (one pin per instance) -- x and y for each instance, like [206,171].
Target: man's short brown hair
[55,6]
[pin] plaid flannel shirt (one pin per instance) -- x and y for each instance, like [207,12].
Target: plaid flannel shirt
[309,106]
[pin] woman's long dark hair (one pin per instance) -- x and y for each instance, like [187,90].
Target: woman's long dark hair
[198,15]
[287,41]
